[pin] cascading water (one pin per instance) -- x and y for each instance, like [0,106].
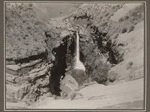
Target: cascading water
[79,69]
[78,64]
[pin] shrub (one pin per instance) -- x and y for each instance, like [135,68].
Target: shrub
[121,19]
[101,79]
[129,65]
[112,76]
[131,29]
[100,73]
[124,30]
[126,17]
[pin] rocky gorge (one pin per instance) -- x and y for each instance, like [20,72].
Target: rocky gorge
[40,55]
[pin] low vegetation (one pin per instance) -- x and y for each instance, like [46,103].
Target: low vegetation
[24,33]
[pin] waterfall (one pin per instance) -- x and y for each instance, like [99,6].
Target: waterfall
[77,48]
[78,63]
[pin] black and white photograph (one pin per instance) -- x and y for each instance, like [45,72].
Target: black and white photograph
[75,55]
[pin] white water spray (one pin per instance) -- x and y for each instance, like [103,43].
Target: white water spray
[78,63]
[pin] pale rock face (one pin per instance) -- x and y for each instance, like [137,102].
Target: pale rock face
[13,67]
[64,33]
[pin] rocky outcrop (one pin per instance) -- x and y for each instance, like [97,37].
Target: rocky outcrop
[30,85]
[27,73]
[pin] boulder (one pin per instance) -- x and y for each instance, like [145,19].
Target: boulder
[68,85]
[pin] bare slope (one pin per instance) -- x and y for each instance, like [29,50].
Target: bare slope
[98,96]
[133,65]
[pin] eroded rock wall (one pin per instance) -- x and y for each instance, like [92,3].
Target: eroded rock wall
[27,71]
